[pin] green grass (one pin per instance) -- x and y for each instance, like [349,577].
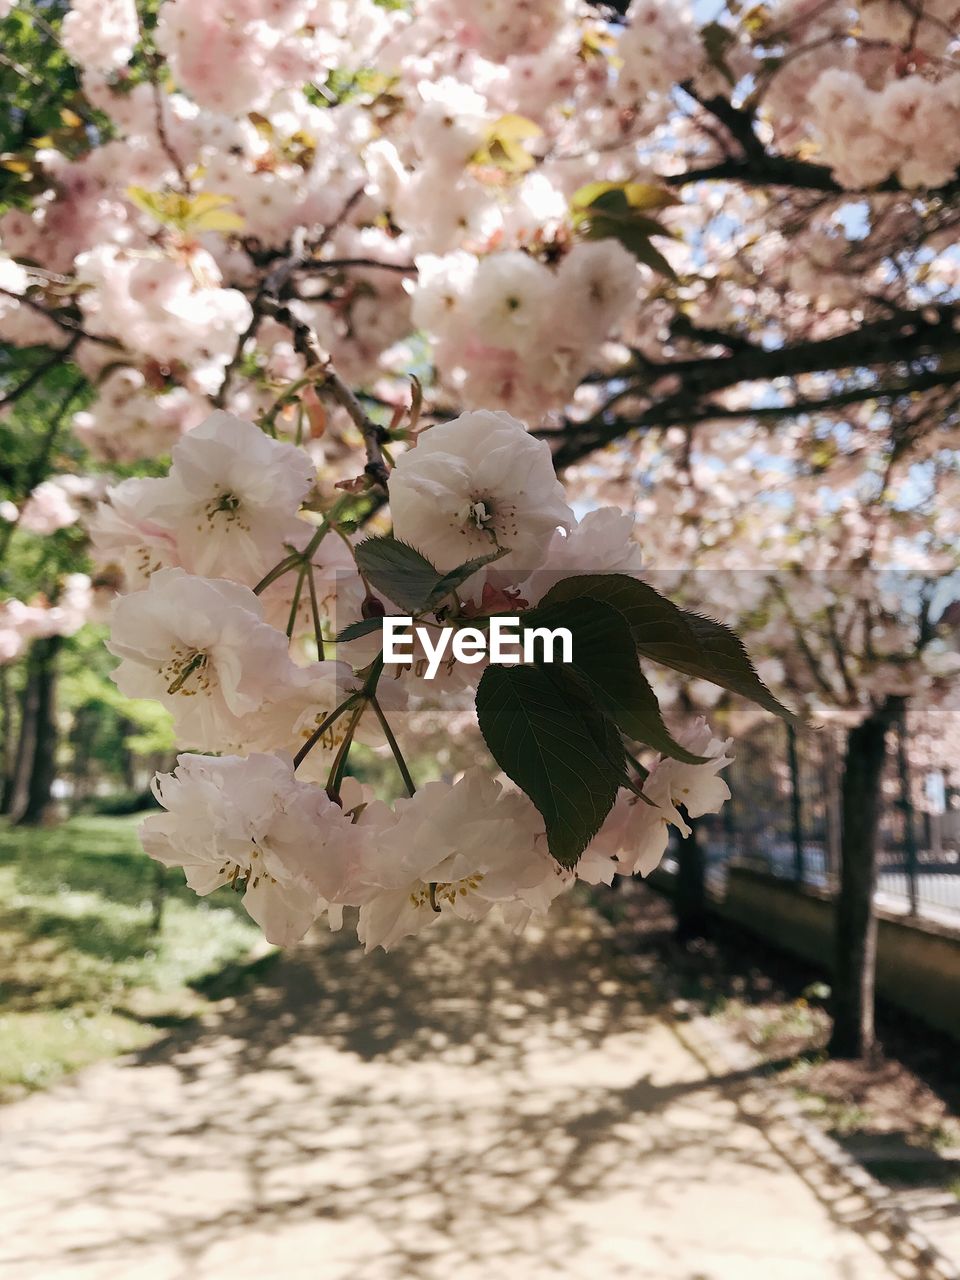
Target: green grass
[85,972]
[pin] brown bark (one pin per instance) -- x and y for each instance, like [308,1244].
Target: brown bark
[691,891]
[855,938]
[6,738]
[37,747]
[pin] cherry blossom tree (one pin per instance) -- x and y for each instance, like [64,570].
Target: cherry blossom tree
[703,268]
[842,579]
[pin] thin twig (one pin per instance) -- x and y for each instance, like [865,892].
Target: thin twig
[272,286]
[275,284]
[315,611]
[373,264]
[66,323]
[394,746]
[322,728]
[307,345]
[21,389]
[154,61]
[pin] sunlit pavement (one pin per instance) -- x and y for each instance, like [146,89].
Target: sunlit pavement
[471,1106]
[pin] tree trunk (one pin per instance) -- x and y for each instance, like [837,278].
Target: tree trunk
[691,897]
[18,789]
[37,749]
[855,936]
[6,738]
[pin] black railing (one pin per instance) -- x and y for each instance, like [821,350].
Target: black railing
[784,816]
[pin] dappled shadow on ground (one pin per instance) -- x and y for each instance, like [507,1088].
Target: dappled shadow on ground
[472,1104]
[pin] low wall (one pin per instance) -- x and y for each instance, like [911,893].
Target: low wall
[918,963]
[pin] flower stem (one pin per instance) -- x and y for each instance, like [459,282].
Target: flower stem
[298,557]
[276,572]
[394,747]
[297,593]
[322,728]
[337,769]
[315,610]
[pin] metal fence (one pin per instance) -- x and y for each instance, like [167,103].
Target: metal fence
[784,816]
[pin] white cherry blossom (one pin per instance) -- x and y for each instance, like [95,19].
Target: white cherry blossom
[476,843]
[232,498]
[248,820]
[474,485]
[695,786]
[201,648]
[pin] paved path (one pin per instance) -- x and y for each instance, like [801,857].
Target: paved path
[472,1106]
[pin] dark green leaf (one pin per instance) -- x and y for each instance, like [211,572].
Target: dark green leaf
[606,666]
[402,574]
[356,630]
[651,257]
[550,749]
[408,578]
[687,642]
[457,577]
[634,237]
[717,40]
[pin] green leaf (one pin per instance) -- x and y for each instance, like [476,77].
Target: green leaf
[356,630]
[617,211]
[550,749]
[686,642]
[606,668]
[402,574]
[717,40]
[645,252]
[408,578]
[638,195]
[503,145]
[455,578]
[204,212]
[603,731]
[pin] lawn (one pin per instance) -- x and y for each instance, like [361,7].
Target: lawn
[100,949]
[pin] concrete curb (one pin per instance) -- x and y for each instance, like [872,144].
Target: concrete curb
[867,1200]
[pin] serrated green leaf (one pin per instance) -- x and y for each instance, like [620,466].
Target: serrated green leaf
[607,669]
[397,570]
[543,742]
[599,725]
[455,578]
[408,578]
[686,642]
[356,630]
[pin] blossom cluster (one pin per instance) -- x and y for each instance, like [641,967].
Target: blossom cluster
[510,330]
[414,171]
[201,550]
[908,127]
[436,148]
[23,621]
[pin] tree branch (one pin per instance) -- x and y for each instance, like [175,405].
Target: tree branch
[758,167]
[38,374]
[341,264]
[803,175]
[64,322]
[895,341]
[306,344]
[275,283]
